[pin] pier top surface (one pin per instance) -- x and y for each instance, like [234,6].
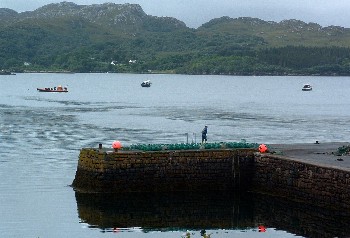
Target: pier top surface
[322,154]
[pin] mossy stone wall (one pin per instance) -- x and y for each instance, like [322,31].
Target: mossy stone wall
[228,170]
[187,170]
[299,181]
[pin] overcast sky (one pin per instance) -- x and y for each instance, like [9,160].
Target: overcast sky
[196,12]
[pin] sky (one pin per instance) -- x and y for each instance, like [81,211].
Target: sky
[197,12]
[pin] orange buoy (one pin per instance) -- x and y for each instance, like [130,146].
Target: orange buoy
[116,145]
[262,148]
[262,229]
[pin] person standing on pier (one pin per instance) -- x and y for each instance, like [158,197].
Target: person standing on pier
[204,134]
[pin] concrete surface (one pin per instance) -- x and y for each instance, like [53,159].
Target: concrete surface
[322,154]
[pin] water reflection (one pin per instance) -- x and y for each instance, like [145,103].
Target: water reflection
[163,211]
[201,212]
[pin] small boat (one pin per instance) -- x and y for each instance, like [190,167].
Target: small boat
[146,83]
[307,87]
[58,89]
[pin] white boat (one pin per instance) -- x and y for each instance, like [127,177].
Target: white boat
[146,83]
[307,87]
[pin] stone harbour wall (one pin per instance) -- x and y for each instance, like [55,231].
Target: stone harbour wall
[228,170]
[299,181]
[186,170]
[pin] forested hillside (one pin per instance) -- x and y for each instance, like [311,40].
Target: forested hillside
[123,38]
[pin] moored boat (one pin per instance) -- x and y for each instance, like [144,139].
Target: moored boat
[307,87]
[58,89]
[146,83]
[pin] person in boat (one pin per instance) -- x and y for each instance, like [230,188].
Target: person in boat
[204,134]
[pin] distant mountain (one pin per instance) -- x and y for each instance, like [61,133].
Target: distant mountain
[287,32]
[7,16]
[123,38]
[127,17]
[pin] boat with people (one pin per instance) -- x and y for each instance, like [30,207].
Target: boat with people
[307,87]
[146,83]
[58,89]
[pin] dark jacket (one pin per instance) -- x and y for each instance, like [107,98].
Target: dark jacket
[204,131]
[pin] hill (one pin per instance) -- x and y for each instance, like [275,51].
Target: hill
[285,33]
[123,38]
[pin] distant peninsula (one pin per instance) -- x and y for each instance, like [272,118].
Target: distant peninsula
[66,37]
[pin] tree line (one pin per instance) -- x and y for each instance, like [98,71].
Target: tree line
[31,48]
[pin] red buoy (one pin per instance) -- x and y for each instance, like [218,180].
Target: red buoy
[262,229]
[262,148]
[116,145]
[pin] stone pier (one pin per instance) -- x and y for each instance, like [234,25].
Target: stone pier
[309,173]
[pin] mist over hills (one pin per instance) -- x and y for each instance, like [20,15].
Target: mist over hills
[123,38]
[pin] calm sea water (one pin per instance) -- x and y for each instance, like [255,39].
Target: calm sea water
[41,135]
